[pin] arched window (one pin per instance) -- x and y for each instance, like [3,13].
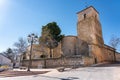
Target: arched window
[84,16]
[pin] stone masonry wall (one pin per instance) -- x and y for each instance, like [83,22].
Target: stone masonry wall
[88,61]
[108,53]
[60,62]
[69,45]
[117,56]
[56,62]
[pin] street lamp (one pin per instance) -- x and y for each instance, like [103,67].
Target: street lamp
[32,38]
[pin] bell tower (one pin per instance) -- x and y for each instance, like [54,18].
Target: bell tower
[89,30]
[89,27]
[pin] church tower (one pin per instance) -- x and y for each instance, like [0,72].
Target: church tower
[89,30]
[89,27]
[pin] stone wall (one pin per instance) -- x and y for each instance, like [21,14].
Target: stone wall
[39,50]
[69,45]
[103,53]
[108,53]
[88,61]
[117,56]
[82,47]
[97,53]
[56,62]
[60,62]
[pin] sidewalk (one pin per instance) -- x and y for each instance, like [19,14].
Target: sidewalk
[99,64]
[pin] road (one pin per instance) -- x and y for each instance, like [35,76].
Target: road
[104,72]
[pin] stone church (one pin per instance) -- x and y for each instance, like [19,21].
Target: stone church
[88,42]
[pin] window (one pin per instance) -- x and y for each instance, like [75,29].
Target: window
[95,16]
[84,16]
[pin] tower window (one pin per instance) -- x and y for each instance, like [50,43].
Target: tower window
[95,16]
[84,16]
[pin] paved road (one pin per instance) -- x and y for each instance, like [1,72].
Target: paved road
[20,73]
[104,72]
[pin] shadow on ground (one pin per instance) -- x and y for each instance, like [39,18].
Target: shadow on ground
[113,64]
[20,73]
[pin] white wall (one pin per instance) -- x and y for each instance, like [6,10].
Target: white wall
[4,60]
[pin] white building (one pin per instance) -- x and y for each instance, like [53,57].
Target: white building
[4,60]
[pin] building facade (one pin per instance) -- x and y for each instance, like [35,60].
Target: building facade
[4,60]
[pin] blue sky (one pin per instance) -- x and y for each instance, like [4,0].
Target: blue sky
[18,18]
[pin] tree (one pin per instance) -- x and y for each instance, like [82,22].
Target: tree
[51,36]
[21,46]
[9,54]
[114,42]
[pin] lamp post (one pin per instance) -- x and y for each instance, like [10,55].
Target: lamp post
[32,38]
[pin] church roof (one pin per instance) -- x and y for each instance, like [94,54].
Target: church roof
[109,47]
[87,8]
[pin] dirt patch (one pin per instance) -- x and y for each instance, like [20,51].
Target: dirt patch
[20,73]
